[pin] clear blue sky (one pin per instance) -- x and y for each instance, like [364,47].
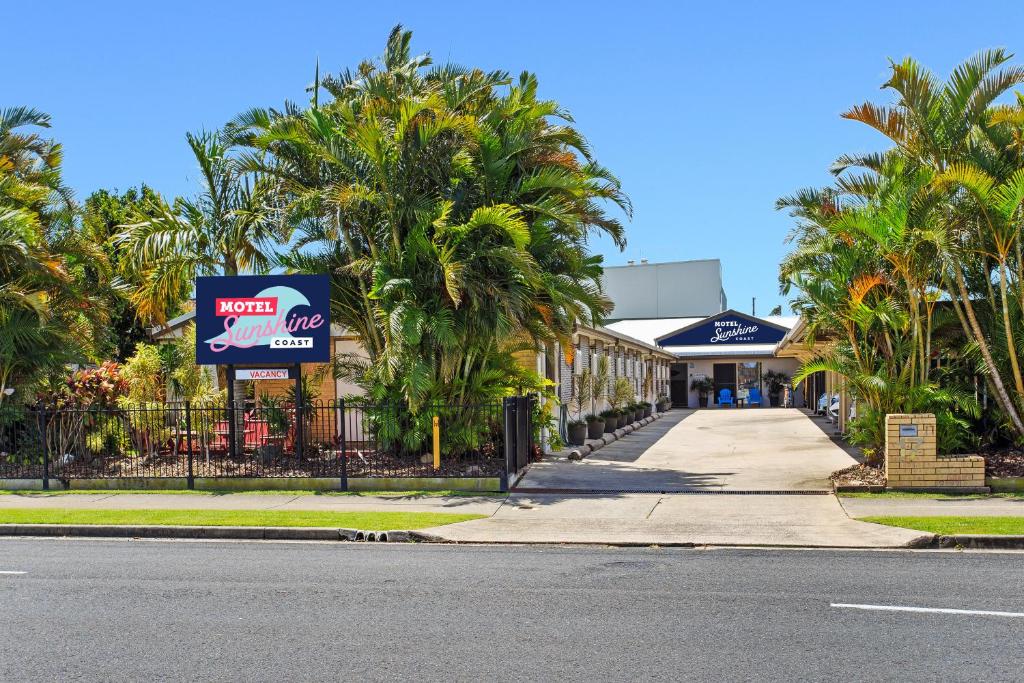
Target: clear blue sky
[707,111]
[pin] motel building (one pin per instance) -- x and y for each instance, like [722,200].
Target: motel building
[671,325]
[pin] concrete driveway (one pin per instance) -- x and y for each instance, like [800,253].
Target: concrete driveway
[751,449]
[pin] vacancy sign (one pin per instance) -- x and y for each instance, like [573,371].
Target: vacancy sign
[263,373]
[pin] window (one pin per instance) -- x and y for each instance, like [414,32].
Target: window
[748,376]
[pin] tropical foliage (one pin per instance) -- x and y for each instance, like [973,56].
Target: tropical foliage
[911,263]
[50,312]
[452,208]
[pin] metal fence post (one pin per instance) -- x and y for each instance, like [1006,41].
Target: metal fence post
[188,443]
[342,437]
[46,449]
[299,417]
[232,442]
[509,420]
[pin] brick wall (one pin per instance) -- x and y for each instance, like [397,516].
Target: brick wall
[911,460]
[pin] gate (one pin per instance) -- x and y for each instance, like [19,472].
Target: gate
[518,414]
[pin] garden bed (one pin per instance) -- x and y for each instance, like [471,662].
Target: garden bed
[326,463]
[858,477]
[1004,463]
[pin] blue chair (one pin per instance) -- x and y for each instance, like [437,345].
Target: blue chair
[725,398]
[755,397]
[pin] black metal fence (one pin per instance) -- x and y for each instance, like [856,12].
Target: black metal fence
[271,439]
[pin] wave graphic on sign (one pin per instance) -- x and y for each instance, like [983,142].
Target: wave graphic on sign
[260,330]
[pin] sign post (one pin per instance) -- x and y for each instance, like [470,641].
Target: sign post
[270,320]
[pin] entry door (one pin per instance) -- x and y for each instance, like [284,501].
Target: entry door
[725,378]
[679,385]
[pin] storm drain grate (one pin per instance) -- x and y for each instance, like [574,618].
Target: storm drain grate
[684,492]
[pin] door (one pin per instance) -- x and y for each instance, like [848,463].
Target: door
[679,385]
[724,378]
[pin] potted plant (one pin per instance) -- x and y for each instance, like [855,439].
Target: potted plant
[582,391]
[647,407]
[703,386]
[663,403]
[611,420]
[577,432]
[620,394]
[595,426]
[775,381]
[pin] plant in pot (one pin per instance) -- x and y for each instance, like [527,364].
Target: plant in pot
[703,386]
[582,391]
[663,403]
[776,382]
[611,420]
[595,426]
[619,396]
[275,415]
[647,408]
[638,411]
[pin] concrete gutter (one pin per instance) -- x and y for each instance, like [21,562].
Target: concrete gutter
[248,533]
[979,542]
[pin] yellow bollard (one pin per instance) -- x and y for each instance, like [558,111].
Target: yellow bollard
[437,443]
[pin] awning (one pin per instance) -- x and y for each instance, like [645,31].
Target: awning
[723,351]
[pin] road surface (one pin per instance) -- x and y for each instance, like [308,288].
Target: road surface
[214,611]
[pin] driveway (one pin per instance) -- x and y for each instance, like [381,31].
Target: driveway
[778,449]
[646,488]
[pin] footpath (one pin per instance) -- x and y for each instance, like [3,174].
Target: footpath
[616,519]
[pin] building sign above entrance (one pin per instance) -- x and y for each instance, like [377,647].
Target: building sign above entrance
[266,373]
[725,329]
[262,319]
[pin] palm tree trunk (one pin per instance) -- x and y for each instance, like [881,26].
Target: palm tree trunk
[1011,348]
[974,330]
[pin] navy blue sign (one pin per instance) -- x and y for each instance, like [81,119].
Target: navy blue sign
[726,330]
[263,319]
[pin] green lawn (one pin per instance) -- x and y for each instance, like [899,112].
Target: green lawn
[931,496]
[270,492]
[370,521]
[948,526]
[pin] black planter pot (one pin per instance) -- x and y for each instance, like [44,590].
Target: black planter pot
[702,401]
[638,415]
[595,429]
[611,423]
[773,399]
[577,434]
[648,412]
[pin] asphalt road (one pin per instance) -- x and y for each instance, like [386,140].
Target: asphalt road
[213,611]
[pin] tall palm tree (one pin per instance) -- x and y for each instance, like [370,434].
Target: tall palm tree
[452,208]
[939,125]
[226,229]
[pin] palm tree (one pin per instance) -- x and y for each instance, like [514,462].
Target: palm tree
[227,229]
[49,312]
[941,125]
[452,209]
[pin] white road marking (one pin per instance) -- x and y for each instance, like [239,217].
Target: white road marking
[11,572]
[930,610]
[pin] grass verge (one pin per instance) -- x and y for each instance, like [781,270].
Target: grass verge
[921,495]
[271,492]
[370,521]
[950,526]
